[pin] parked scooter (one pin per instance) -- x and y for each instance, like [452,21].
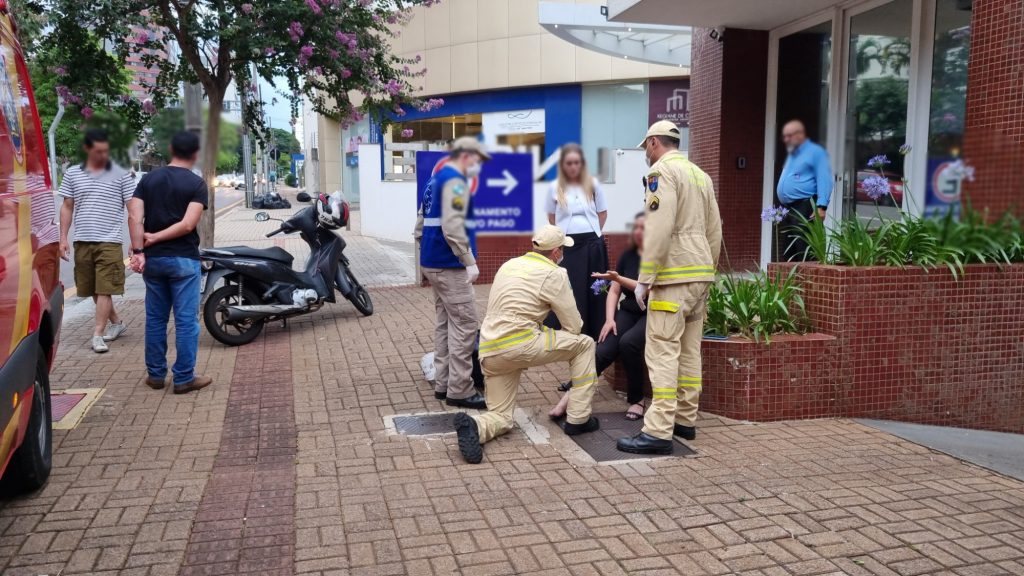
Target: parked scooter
[260,285]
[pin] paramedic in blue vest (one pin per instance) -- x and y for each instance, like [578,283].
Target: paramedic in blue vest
[805,187]
[448,260]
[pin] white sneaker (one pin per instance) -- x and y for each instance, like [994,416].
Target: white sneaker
[114,331]
[98,345]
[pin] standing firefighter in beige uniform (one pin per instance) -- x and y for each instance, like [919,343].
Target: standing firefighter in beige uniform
[526,289]
[448,260]
[682,239]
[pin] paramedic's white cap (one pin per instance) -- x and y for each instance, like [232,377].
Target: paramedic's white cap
[661,128]
[470,144]
[550,237]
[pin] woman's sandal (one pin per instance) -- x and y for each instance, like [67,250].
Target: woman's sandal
[634,416]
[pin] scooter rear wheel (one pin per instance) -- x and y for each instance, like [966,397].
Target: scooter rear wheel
[359,297]
[215,317]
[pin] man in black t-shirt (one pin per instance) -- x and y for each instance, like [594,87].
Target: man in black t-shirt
[162,220]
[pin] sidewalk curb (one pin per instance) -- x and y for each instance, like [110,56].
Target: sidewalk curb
[228,208]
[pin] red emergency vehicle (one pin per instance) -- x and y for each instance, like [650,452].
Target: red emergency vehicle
[31,294]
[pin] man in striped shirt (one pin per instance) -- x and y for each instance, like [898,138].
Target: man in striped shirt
[95,194]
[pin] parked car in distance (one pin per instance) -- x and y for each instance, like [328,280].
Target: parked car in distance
[893,198]
[31,294]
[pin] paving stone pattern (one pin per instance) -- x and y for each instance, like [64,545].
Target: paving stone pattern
[155,484]
[245,522]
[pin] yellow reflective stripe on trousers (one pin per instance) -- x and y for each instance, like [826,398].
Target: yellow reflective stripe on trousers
[581,381]
[663,393]
[663,306]
[689,381]
[550,339]
[506,341]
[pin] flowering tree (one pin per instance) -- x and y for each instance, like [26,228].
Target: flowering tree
[333,52]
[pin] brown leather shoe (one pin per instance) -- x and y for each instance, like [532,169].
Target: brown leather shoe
[154,383]
[197,383]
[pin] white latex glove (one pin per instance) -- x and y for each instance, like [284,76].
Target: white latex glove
[473,272]
[641,294]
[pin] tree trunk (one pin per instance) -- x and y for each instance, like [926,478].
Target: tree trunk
[210,147]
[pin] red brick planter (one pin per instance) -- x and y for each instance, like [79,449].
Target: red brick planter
[919,346]
[793,376]
[890,343]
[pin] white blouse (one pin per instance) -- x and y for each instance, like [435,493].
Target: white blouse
[578,216]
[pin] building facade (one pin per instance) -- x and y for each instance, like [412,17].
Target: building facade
[867,77]
[516,79]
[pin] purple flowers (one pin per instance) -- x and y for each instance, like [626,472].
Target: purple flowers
[875,187]
[314,6]
[599,287]
[407,133]
[774,215]
[148,107]
[60,70]
[393,87]
[961,171]
[879,162]
[87,112]
[247,8]
[905,149]
[305,53]
[269,51]
[295,31]
[141,38]
[432,104]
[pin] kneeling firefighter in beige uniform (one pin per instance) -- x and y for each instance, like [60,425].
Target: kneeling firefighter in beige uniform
[513,339]
[682,239]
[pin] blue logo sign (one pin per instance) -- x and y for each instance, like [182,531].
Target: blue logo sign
[502,194]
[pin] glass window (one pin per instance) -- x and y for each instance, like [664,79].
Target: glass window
[614,116]
[876,113]
[949,104]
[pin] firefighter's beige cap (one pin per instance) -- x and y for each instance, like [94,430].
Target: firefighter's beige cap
[661,128]
[550,237]
[470,144]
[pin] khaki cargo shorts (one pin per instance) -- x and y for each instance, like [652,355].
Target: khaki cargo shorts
[99,268]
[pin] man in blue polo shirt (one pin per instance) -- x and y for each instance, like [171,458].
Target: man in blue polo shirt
[805,186]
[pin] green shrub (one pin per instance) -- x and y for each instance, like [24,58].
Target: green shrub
[756,307]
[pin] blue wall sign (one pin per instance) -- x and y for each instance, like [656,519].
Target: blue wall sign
[502,194]
[562,105]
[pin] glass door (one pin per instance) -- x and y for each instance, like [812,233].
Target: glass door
[877,92]
[805,74]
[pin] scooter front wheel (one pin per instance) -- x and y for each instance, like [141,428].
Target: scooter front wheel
[215,316]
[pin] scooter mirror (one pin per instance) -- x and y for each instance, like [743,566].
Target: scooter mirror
[262,216]
[302,197]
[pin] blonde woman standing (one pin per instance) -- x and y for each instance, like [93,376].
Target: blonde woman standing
[576,204]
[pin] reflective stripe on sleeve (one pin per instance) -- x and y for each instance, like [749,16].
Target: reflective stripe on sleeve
[436,223]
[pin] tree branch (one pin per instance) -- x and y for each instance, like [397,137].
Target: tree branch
[186,42]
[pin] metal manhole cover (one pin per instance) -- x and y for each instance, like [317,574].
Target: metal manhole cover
[425,424]
[600,445]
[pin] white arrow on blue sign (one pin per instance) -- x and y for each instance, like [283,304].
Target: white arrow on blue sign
[507,182]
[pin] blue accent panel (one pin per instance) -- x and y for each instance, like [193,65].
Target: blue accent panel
[562,110]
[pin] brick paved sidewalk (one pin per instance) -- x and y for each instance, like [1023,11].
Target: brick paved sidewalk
[285,466]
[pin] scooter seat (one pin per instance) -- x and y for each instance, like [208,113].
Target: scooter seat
[275,253]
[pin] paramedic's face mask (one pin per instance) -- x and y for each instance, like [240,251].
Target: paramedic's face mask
[474,167]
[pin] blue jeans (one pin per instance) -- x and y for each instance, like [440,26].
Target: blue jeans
[172,282]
